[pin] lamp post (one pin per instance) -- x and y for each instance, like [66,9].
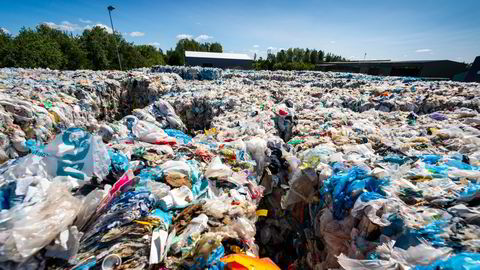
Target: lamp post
[110,8]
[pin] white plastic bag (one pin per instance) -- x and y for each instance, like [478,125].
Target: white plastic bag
[216,169]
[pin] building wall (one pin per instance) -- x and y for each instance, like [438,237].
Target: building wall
[438,69]
[444,69]
[218,63]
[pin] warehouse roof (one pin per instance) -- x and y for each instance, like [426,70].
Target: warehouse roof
[238,56]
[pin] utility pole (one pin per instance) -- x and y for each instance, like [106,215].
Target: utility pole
[110,8]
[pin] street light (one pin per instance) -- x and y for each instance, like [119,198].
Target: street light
[110,8]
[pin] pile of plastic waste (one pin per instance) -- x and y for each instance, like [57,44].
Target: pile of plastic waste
[251,170]
[190,73]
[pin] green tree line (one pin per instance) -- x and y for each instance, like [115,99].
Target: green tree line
[295,59]
[44,47]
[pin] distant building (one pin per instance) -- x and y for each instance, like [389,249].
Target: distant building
[438,69]
[218,60]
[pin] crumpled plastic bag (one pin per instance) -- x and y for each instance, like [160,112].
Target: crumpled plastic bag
[257,147]
[66,245]
[216,169]
[25,233]
[397,258]
[89,206]
[78,154]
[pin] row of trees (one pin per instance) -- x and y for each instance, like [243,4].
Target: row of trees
[44,47]
[296,59]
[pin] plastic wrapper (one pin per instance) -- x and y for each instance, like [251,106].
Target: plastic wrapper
[27,232]
[217,170]
[88,207]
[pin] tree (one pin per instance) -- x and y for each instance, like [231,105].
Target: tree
[295,59]
[34,50]
[314,57]
[96,43]
[216,47]
[298,54]
[74,56]
[321,55]
[151,55]
[175,58]
[289,55]
[281,56]
[306,56]
[328,57]
[7,58]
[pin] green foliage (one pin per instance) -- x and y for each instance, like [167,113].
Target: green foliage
[216,47]
[295,59]
[6,50]
[177,56]
[44,47]
[94,49]
[151,55]
[35,50]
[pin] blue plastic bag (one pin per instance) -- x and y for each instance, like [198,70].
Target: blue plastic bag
[461,261]
[180,136]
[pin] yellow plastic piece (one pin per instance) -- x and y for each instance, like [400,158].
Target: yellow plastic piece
[262,213]
[240,261]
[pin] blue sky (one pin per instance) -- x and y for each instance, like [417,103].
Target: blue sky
[384,29]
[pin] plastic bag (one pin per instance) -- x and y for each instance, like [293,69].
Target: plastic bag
[158,189]
[244,227]
[89,205]
[462,261]
[217,170]
[148,132]
[257,147]
[216,208]
[39,224]
[396,258]
[175,166]
[78,154]
[196,226]
[66,245]
[177,198]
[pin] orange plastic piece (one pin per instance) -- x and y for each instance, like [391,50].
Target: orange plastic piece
[244,262]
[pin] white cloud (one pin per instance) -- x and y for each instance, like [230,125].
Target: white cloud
[156,44]
[84,21]
[333,41]
[101,25]
[272,48]
[255,46]
[63,26]
[5,30]
[200,38]
[137,34]
[423,50]
[203,37]
[183,36]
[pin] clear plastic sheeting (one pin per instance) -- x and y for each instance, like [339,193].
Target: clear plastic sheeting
[28,230]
